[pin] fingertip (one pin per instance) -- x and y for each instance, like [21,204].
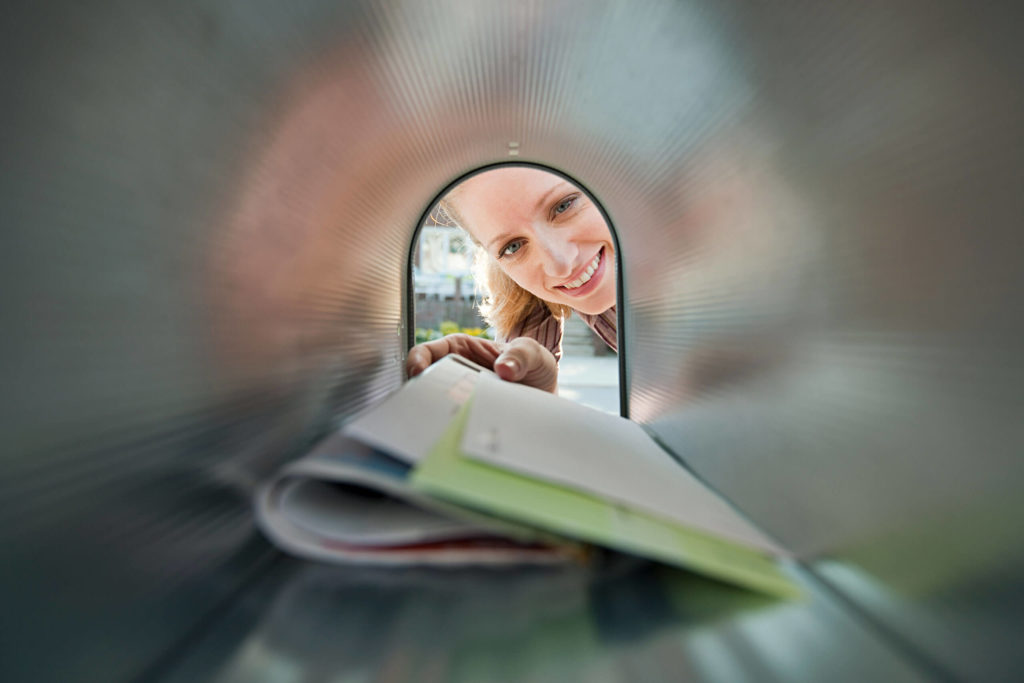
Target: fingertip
[414,363]
[507,369]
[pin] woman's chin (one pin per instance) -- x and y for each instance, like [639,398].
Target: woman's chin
[593,305]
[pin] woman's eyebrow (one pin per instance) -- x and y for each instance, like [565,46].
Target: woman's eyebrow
[500,238]
[547,195]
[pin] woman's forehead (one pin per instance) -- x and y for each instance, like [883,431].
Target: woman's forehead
[492,202]
[511,181]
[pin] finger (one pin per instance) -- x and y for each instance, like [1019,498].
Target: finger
[524,360]
[418,360]
[481,351]
[509,368]
[422,356]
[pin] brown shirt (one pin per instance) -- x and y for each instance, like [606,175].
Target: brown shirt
[542,325]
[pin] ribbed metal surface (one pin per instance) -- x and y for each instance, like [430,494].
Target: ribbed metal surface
[625,621]
[827,326]
[207,208]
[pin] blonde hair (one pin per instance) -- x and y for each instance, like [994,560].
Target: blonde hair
[504,305]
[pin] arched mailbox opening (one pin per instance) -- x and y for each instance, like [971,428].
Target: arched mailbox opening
[521,250]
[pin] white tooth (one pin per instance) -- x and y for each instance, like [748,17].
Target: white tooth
[587,274]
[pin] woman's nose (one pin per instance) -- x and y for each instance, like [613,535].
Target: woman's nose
[560,256]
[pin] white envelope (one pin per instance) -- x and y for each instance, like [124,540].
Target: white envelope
[409,422]
[539,434]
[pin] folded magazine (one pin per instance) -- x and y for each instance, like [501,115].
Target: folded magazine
[461,468]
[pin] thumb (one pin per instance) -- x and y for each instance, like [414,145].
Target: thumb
[509,368]
[525,361]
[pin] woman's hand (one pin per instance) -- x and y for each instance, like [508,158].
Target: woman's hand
[521,360]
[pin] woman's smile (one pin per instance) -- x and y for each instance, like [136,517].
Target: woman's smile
[586,279]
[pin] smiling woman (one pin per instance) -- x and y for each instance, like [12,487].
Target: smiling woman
[545,251]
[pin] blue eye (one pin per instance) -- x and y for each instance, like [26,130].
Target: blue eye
[511,248]
[564,205]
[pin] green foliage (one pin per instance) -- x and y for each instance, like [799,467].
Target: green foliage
[424,335]
[449,327]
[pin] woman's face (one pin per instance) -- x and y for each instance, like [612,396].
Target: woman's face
[544,233]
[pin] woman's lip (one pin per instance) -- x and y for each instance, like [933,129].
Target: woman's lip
[592,283]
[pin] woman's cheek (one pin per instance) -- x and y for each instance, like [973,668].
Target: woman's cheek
[520,278]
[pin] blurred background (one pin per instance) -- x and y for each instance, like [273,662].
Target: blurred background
[447,295]
[207,212]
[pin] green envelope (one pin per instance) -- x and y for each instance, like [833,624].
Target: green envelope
[447,473]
